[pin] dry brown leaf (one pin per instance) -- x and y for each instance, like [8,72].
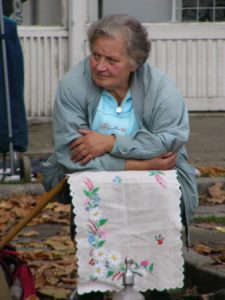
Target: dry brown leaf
[36,244]
[220,258]
[57,293]
[215,191]
[212,171]
[216,200]
[38,255]
[5,218]
[202,249]
[62,208]
[39,280]
[3,229]
[70,281]
[35,264]
[20,212]
[59,246]
[29,233]
[5,205]
[51,277]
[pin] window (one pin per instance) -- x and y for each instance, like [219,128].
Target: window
[143,10]
[200,10]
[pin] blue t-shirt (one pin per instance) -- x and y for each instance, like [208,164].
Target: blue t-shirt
[113,119]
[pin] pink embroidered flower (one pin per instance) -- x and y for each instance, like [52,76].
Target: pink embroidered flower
[91,262]
[92,227]
[117,276]
[88,183]
[160,180]
[103,234]
[86,202]
[144,263]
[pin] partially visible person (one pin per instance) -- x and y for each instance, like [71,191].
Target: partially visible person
[114,112]
[15,69]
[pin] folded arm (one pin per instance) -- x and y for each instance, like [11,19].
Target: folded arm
[69,115]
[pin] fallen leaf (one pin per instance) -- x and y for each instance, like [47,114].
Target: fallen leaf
[217,195]
[6,205]
[30,233]
[220,258]
[211,171]
[57,293]
[202,249]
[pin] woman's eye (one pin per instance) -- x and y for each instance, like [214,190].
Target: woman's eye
[111,60]
[96,56]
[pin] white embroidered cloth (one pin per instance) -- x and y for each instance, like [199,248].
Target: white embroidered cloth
[133,214]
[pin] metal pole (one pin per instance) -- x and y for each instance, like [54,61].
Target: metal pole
[7,95]
[174,10]
[100,9]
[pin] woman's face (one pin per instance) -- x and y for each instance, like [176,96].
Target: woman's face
[110,65]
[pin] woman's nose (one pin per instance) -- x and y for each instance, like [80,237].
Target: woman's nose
[101,65]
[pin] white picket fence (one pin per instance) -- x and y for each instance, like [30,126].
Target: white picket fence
[193,55]
[45,51]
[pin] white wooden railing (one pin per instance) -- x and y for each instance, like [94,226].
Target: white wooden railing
[193,55]
[45,51]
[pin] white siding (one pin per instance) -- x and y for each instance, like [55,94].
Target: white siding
[45,51]
[193,55]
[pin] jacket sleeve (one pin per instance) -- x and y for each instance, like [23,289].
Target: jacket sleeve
[70,114]
[164,126]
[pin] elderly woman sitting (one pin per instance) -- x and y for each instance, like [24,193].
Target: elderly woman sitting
[113,111]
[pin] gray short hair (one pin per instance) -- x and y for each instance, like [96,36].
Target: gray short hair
[136,36]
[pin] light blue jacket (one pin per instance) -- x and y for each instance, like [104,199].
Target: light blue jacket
[164,127]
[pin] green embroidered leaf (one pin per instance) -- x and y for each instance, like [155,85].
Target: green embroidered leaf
[110,273]
[153,173]
[136,265]
[150,268]
[122,267]
[88,194]
[95,190]
[93,205]
[102,222]
[93,278]
[101,243]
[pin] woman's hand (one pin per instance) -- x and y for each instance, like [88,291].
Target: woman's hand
[163,162]
[90,145]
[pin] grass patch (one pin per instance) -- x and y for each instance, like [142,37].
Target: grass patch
[210,219]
